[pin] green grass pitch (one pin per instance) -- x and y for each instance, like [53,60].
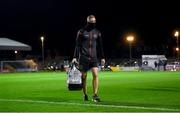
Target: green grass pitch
[119,92]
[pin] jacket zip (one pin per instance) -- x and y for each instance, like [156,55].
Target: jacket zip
[90,44]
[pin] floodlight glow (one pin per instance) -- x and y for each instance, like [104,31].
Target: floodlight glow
[177,49]
[130,38]
[15,52]
[176,34]
[42,38]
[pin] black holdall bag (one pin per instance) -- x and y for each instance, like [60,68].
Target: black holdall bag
[74,79]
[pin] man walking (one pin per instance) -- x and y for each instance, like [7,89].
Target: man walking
[88,45]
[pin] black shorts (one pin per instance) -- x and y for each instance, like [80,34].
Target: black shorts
[86,64]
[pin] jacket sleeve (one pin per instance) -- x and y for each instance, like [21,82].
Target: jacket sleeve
[100,47]
[78,44]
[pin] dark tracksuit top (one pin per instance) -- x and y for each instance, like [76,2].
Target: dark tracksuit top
[88,45]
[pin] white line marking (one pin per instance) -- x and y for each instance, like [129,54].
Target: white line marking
[88,105]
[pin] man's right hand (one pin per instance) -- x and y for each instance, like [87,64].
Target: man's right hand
[74,60]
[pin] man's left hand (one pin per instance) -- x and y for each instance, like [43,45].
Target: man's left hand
[102,62]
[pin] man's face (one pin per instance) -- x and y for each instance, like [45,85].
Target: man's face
[91,19]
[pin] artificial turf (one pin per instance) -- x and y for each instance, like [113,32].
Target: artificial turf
[119,92]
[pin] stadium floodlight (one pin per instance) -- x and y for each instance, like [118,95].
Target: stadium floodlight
[42,41]
[15,52]
[177,49]
[130,39]
[176,34]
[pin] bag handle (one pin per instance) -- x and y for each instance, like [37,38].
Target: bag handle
[74,64]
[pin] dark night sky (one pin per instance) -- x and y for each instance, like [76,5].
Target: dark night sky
[153,23]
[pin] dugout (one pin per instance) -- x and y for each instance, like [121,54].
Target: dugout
[8,46]
[7,52]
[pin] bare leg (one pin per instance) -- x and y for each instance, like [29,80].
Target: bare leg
[95,81]
[84,77]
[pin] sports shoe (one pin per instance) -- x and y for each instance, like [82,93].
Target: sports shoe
[96,98]
[85,98]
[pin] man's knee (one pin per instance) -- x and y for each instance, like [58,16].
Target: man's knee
[84,75]
[95,75]
[95,72]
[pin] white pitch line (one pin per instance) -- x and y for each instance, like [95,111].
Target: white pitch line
[88,105]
